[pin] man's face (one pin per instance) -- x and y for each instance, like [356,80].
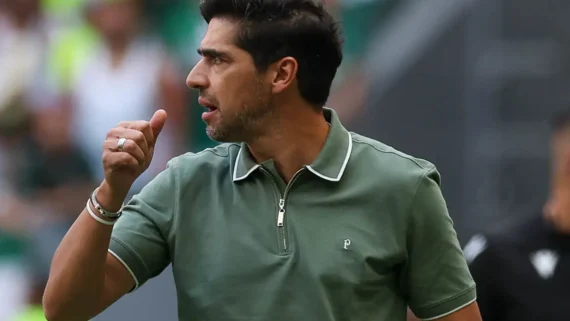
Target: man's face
[116,19]
[236,95]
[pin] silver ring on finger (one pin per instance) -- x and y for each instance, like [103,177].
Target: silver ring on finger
[121,144]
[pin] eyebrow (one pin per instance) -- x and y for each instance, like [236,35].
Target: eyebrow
[212,53]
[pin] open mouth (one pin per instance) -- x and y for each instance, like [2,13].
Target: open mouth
[210,108]
[210,112]
[206,104]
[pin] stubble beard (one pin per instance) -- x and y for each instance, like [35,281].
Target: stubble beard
[247,123]
[242,126]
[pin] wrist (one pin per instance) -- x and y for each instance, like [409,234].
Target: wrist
[103,220]
[109,199]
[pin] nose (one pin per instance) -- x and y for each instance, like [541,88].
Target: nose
[197,78]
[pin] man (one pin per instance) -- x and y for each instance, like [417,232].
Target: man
[521,272]
[301,221]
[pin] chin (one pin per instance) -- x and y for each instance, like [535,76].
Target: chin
[215,135]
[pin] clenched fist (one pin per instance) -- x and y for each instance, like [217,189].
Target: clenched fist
[127,153]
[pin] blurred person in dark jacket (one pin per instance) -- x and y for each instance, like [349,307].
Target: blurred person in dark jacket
[522,272]
[54,177]
[42,177]
[13,214]
[22,40]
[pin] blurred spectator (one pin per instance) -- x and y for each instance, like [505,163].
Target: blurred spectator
[22,43]
[63,14]
[22,40]
[53,178]
[128,75]
[521,272]
[13,244]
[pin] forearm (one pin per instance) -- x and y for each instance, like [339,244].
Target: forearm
[84,278]
[77,277]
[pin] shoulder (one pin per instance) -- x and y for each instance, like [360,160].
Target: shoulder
[210,161]
[190,172]
[387,165]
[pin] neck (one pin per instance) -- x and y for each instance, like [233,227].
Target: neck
[118,49]
[295,140]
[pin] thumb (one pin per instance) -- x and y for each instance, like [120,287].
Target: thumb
[157,123]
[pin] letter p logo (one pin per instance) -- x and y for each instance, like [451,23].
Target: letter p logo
[346,244]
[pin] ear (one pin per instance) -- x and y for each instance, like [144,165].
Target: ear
[285,73]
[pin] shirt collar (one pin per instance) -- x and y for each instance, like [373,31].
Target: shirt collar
[330,163]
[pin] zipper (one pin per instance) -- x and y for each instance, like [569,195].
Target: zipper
[281,213]
[281,223]
[281,210]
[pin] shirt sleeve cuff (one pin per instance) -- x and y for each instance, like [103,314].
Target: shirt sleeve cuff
[130,261]
[448,306]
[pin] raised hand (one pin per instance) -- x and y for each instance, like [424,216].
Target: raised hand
[127,153]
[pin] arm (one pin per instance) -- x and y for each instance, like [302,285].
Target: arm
[86,277]
[411,316]
[470,312]
[97,264]
[437,280]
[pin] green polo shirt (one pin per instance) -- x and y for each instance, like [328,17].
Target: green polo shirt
[360,234]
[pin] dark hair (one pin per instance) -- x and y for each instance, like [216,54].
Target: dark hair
[273,29]
[560,121]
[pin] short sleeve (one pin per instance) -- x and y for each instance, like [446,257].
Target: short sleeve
[484,267]
[140,237]
[437,278]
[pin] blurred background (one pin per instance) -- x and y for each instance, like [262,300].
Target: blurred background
[466,84]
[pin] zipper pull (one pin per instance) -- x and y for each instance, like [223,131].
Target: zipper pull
[281,213]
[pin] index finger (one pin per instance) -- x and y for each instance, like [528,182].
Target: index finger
[145,128]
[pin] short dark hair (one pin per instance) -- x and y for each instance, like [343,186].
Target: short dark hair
[274,29]
[560,121]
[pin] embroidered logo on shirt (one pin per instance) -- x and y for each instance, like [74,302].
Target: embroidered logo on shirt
[346,244]
[544,262]
[474,247]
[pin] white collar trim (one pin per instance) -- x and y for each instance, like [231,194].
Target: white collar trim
[309,167]
[346,158]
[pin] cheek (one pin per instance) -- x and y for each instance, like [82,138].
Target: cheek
[231,89]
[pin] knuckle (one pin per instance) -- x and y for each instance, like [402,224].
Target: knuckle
[109,143]
[130,146]
[138,137]
[111,133]
[144,125]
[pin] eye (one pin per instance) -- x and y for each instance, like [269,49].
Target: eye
[217,60]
